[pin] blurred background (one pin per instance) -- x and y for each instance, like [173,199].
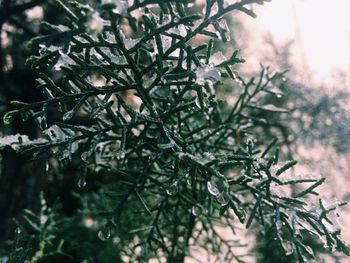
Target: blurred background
[309,38]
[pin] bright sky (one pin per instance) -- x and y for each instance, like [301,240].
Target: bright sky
[320,29]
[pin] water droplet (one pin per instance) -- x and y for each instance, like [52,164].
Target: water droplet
[68,115]
[207,73]
[288,247]
[169,145]
[105,233]
[18,231]
[235,76]
[273,108]
[82,182]
[120,155]
[8,118]
[212,189]
[47,167]
[43,219]
[42,122]
[196,210]
[85,156]
[172,189]
[231,141]
[189,179]
[217,186]
[24,116]
[197,101]
[223,199]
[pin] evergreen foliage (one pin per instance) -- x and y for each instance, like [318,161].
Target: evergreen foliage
[164,160]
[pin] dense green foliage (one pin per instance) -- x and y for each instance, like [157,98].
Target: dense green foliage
[137,101]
